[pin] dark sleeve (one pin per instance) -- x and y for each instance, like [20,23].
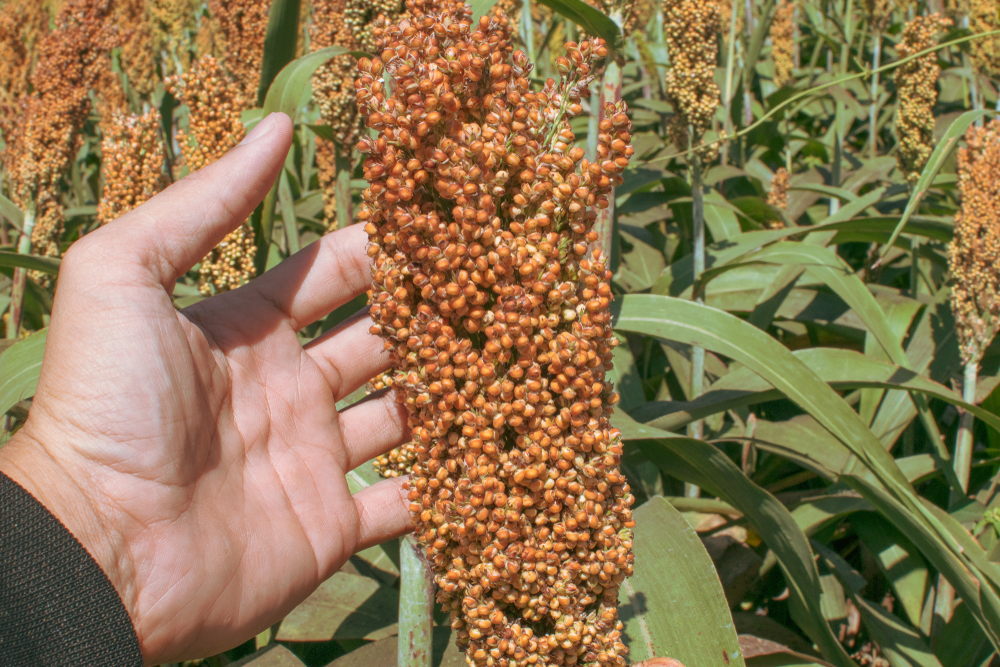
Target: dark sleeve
[57,607]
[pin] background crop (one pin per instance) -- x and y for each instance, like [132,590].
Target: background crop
[805,252]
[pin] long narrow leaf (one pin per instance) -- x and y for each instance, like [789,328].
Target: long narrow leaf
[20,365]
[49,265]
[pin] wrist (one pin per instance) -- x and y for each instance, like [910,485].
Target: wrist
[75,499]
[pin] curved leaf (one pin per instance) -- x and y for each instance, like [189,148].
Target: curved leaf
[9,210]
[674,605]
[295,80]
[481,8]
[592,21]
[20,365]
[280,41]
[49,265]
[933,166]
[768,516]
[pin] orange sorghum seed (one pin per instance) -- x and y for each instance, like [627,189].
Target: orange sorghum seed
[132,163]
[23,23]
[974,253]
[215,103]
[242,25]
[985,51]
[496,313]
[137,56]
[170,21]
[782,34]
[41,133]
[916,88]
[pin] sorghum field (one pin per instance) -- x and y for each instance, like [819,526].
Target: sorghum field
[692,302]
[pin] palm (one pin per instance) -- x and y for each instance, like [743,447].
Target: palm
[210,436]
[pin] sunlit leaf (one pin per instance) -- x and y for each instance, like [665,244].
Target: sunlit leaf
[20,366]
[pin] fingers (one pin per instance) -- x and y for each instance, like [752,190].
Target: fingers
[372,426]
[348,355]
[383,511]
[319,278]
[174,230]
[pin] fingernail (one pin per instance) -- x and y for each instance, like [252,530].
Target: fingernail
[263,127]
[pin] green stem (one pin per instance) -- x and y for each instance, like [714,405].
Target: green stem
[696,429]
[727,99]
[20,277]
[342,193]
[527,30]
[873,109]
[416,607]
[963,441]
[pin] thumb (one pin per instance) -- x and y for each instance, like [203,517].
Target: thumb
[174,230]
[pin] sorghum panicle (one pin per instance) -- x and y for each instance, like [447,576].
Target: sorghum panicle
[346,23]
[42,139]
[23,23]
[495,310]
[131,162]
[877,12]
[215,102]
[242,25]
[691,30]
[778,194]
[726,9]
[984,16]
[137,57]
[170,20]
[916,89]
[782,34]
[974,253]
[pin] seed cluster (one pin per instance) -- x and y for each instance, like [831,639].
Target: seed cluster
[691,30]
[137,56]
[42,132]
[778,195]
[242,25]
[916,90]
[346,23]
[131,162]
[171,19]
[495,309]
[985,51]
[215,102]
[974,253]
[877,12]
[23,23]
[782,34]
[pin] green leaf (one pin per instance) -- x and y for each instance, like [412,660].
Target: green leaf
[280,42]
[295,80]
[592,21]
[49,265]
[901,644]
[902,565]
[481,8]
[345,606]
[9,210]
[713,470]
[674,606]
[933,166]
[20,365]
[977,594]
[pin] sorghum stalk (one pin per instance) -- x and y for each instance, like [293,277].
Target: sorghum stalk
[496,314]
[727,98]
[974,261]
[878,13]
[416,606]
[20,277]
[691,29]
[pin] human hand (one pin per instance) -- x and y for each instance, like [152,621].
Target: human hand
[198,455]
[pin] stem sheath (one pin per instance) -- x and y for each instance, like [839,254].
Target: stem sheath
[416,607]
